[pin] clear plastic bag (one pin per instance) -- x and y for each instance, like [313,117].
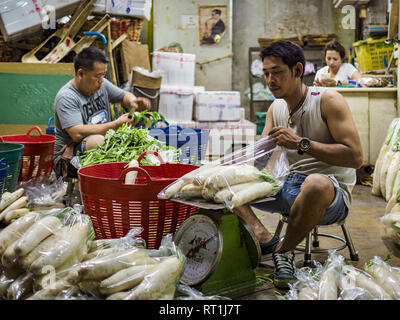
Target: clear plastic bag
[385,276]
[119,270]
[255,172]
[184,292]
[44,192]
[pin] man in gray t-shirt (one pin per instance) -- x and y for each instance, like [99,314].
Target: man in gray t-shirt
[82,107]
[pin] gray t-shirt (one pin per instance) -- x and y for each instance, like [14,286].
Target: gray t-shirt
[71,108]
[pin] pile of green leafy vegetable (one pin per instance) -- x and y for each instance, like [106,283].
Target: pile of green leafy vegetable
[125,144]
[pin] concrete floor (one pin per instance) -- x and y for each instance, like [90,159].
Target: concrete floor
[365,228]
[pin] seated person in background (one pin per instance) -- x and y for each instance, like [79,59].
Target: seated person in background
[82,109]
[335,70]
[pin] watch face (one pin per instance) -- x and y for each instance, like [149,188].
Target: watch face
[304,144]
[200,241]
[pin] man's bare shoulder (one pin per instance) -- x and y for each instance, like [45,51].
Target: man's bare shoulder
[333,98]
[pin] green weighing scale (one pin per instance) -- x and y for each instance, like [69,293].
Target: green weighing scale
[221,253]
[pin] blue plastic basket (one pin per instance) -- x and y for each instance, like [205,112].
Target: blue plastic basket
[4,166]
[49,129]
[192,142]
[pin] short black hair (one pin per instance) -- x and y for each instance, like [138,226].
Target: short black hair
[289,52]
[217,11]
[334,45]
[87,57]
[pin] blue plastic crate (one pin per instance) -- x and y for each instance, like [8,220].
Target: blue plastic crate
[50,130]
[192,142]
[4,166]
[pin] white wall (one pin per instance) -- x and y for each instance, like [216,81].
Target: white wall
[252,19]
[168,28]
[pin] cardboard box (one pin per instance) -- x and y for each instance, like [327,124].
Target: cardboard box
[23,20]
[217,106]
[177,69]
[176,103]
[125,8]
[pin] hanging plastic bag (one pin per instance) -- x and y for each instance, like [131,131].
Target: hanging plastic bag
[257,171]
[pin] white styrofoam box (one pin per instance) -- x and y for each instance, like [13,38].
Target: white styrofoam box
[62,7]
[183,123]
[242,114]
[22,20]
[126,8]
[226,136]
[177,69]
[100,7]
[217,106]
[176,103]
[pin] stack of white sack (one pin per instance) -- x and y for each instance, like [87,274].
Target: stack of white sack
[255,172]
[336,280]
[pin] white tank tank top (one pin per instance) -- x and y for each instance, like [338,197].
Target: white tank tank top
[307,122]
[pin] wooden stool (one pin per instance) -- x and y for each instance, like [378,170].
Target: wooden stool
[346,242]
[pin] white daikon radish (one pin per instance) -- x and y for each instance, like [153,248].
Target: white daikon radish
[164,274]
[231,175]
[102,267]
[307,293]
[376,184]
[21,287]
[9,258]
[174,188]
[380,271]
[8,198]
[39,231]
[226,194]
[43,246]
[202,174]
[64,249]
[125,279]
[392,172]
[15,230]
[255,191]
[15,214]
[327,286]
[391,203]
[191,190]
[119,295]
[130,177]
[358,279]
[20,203]
[383,173]
[101,252]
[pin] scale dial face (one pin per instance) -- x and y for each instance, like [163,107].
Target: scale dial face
[200,240]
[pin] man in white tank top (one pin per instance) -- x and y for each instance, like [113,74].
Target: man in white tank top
[316,128]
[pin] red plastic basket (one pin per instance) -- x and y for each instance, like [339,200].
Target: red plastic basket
[38,158]
[115,208]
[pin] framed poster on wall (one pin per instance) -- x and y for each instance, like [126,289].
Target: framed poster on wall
[213,24]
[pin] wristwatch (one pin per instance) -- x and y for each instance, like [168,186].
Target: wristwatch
[304,145]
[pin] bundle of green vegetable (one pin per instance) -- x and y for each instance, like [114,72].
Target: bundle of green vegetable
[146,118]
[125,144]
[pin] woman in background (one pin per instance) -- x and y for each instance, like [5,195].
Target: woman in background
[335,70]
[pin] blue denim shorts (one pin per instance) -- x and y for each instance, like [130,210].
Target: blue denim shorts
[285,198]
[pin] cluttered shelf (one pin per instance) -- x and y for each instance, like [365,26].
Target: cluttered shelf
[386,89]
